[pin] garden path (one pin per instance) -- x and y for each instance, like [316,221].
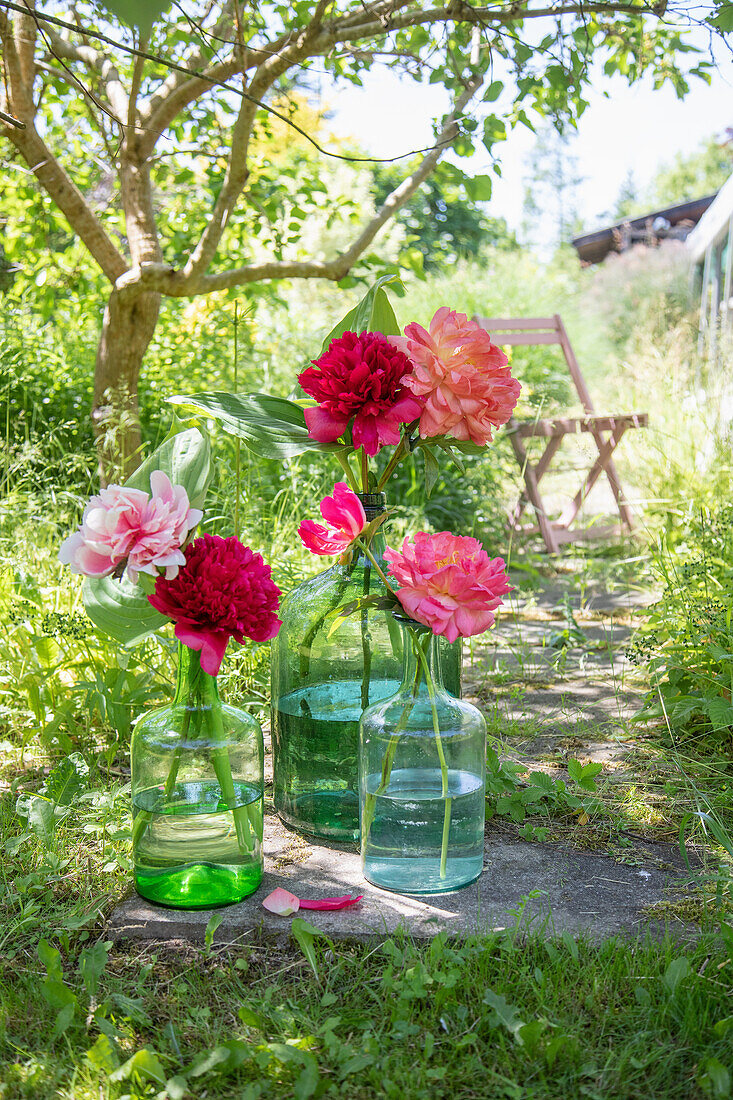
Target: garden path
[553,688]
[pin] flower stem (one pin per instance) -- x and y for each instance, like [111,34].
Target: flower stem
[441,755]
[364,471]
[223,770]
[392,464]
[370,802]
[376,565]
[346,467]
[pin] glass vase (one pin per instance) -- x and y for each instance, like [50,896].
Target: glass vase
[197,796]
[422,767]
[326,669]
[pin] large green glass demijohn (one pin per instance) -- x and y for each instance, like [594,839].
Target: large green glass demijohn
[327,667]
[197,796]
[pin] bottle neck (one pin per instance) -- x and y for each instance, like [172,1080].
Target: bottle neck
[194,687]
[422,673]
[374,504]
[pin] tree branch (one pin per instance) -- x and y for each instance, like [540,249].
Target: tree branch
[401,194]
[95,61]
[187,284]
[24,34]
[69,200]
[137,76]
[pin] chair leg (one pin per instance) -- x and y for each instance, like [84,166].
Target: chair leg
[605,450]
[530,480]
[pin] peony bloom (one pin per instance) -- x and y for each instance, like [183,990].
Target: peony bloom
[449,583]
[346,516]
[223,591]
[124,525]
[460,376]
[361,377]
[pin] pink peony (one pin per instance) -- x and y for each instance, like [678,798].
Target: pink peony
[360,377]
[128,525]
[449,583]
[460,376]
[223,591]
[346,516]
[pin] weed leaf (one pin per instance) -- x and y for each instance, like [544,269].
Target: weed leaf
[214,921]
[675,973]
[304,934]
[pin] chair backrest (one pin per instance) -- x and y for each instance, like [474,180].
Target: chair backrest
[528,331]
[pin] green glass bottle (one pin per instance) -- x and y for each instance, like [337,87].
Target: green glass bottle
[327,667]
[197,796]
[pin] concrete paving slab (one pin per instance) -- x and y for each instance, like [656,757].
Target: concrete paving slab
[544,887]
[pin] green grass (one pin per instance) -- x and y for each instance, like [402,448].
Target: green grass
[502,1016]
[506,1016]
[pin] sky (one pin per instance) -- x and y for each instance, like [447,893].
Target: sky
[625,128]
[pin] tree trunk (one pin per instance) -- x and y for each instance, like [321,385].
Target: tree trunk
[128,327]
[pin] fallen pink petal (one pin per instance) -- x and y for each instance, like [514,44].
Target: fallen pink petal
[331,903]
[281,902]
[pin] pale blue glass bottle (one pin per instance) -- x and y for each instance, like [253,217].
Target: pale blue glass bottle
[422,768]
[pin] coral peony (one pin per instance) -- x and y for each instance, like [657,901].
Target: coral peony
[461,377]
[449,583]
[128,525]
[360,377]
[346,516]
[223,591]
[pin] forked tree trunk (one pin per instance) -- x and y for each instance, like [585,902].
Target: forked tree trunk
[128,327]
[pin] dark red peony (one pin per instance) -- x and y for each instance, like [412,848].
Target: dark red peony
[223,591]
[360,377]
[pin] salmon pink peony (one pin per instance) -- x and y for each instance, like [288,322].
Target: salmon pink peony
[449,583]
[460,376]
[129,526]
[223,591]
[346,516]
[361,377]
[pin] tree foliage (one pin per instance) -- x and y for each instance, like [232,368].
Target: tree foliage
[148,143]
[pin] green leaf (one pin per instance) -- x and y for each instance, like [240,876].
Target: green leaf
[720,712]
[675,973]
[102,1056]
[67,779]
[304,934]
[382,603]
[493,91]
[271,427]
[543,781]
[372,314]
[64,1019]
[143,1066]
[503,1014]
[186,458]
[723,18]
[91,965]
[137,13]
[250,1018]
[118,607]
[570,945]
[479,188]
[214,921]
[575,770]
[307,1083]
[716,1079]
[41,819]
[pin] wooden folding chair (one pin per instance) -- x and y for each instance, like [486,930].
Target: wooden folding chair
[605,430]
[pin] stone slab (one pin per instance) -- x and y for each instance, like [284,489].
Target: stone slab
[545,887]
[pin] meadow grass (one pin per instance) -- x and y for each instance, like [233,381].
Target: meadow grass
[509,1015]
